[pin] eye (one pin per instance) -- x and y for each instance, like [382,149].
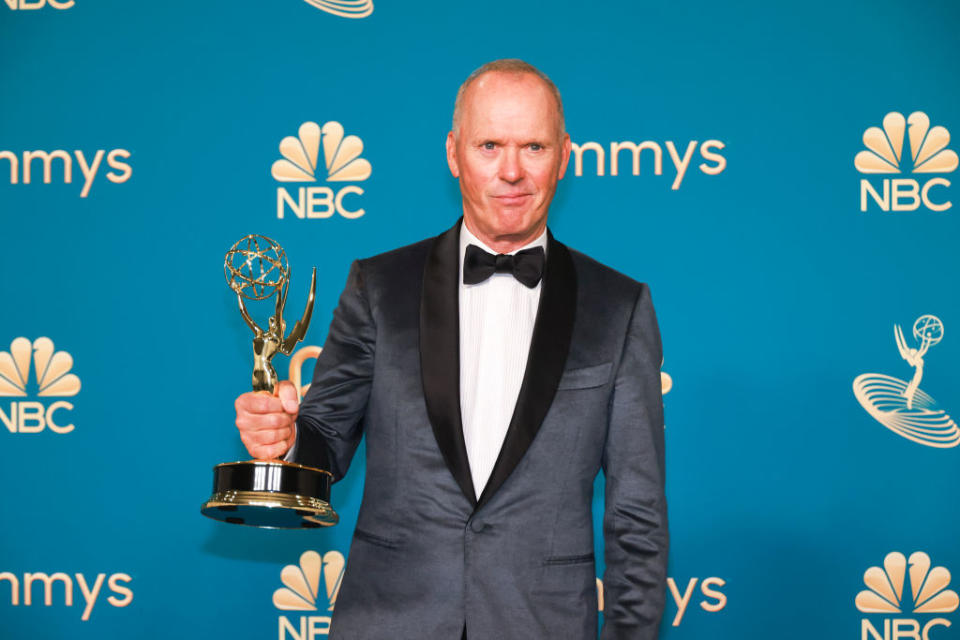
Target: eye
[535,146]
[489,146]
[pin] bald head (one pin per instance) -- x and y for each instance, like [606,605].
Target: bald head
[510,67]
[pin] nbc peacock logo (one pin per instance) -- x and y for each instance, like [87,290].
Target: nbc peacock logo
[885,594]
[884,154]
[342,162]
[344,8]
[53,379]
[312,585]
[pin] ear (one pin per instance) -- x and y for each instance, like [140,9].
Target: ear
[452,155]
[564,155]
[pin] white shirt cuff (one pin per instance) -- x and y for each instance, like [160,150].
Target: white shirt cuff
[291,454]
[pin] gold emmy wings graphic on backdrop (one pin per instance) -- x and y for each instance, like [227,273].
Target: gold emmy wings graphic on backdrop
[302,583]
[52,369]
[928,587]
[344,8]
[902,406]
[341,155]
[268,493]
[928,147]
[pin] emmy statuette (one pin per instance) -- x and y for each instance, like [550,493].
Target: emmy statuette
[271,494]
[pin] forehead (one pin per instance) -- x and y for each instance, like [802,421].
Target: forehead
[518,103]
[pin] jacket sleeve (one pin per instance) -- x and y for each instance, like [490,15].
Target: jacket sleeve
[635,513]
[329,424]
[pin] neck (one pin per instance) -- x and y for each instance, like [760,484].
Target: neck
[506,243]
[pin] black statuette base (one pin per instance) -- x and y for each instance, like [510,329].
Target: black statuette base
[271,494]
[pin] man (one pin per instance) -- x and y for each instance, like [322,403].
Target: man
[491,389]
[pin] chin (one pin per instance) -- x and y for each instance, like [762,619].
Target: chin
[513,222]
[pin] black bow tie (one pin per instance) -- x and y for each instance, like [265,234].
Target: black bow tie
[526,266]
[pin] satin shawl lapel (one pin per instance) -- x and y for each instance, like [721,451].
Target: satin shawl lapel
[549,345]
[440,354]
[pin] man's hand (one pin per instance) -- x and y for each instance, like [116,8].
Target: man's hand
[267,423]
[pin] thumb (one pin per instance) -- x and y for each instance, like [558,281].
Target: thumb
[288,396]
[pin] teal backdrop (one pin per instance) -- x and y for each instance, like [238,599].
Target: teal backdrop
[779,269]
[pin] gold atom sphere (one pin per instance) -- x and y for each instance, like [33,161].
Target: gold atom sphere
[256,267]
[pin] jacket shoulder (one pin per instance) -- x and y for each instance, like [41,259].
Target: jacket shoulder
[594,276]
[397,258]
[398,272]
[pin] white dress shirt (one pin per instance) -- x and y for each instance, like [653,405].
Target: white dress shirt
[496,325]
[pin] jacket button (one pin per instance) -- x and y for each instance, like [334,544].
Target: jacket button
[477,525]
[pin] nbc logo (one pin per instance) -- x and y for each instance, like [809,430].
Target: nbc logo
[304,590]
[342,8]
[53,379]
[341,159]
[928,153]
[885,595]
[26,5]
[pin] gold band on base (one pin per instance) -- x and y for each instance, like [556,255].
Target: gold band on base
[309,509]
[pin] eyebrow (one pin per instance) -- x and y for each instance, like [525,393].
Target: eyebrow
[483,140]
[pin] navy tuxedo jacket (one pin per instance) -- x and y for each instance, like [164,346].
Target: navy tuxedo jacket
[428,557]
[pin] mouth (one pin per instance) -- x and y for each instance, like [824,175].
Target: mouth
[512,199]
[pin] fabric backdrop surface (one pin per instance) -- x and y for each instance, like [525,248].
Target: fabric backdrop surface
[779,173]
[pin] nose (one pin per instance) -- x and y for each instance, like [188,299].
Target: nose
[510,168]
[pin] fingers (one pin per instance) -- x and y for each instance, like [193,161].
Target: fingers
[266,437]
[262,421]
[268,452]
[267,443]
[289,397]
[267,423]
[258,402]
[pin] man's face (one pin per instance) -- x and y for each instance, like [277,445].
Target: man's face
[509,153]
